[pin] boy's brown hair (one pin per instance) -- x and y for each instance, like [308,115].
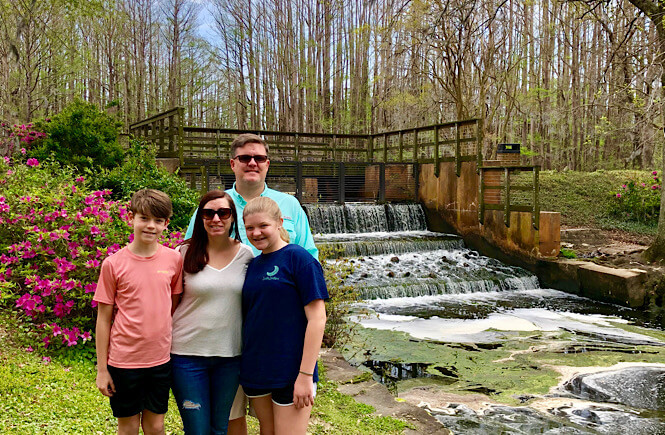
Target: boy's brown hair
[244,139]
[152,202]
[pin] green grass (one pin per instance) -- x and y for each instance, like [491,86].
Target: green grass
[60,398]
[583,198]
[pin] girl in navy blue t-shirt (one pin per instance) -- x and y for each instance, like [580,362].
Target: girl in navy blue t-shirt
[283,320]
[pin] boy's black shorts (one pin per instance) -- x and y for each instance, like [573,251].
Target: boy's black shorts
[139,389]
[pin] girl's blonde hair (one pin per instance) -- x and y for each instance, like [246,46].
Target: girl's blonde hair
[263,204]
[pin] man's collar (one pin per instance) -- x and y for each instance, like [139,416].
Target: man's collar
[237,197]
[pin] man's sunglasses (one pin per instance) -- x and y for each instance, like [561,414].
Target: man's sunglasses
[209,214]
[246,158]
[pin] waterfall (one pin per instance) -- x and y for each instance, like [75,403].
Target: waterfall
[365,218]
[439,287]
[392,254]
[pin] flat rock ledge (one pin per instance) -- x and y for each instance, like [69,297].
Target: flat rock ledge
[355,383]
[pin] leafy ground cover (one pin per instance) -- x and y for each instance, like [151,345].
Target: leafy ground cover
[58,396]
[586,199]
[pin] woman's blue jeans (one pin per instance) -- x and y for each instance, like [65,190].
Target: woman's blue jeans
[204,388]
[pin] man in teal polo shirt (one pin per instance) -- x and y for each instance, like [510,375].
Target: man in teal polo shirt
[250,165]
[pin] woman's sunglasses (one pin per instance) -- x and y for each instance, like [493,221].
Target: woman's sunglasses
[209,214]
[246,158]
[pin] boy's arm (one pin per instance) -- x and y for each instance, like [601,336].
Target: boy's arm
[303,391]
[175,301]
[102,337]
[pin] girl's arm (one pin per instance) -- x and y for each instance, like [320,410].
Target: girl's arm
[303,391]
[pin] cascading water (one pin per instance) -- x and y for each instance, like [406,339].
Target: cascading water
[432,288]
[398,257]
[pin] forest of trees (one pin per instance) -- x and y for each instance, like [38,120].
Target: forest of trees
[577,83]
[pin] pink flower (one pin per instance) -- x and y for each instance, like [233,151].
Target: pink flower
[618,195]
[32,162]
[46,360]
[7,160]
[655,186]
[56,330]
[91,264]
[623,185]
[23,151]
[654,173]
[86,336]
[29,349]
[80,179]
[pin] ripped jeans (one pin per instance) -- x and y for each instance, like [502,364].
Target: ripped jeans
[204,388]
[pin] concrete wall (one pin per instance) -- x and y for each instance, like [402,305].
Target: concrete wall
[452,204]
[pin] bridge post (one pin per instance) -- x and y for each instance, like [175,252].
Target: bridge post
[415,145]
[436,152]
[506,199]
[481,196]
[342,173]
[296,150]
[181,140]
[299,180]
[370,148]
[382,182]
[479,145]
[416,178]
[458,160]
[385,147]
[401,145]
[535,214]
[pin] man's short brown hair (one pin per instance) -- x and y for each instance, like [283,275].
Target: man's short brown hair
[244,139]
[152,202]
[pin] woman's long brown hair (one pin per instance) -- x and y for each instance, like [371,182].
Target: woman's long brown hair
[196,256]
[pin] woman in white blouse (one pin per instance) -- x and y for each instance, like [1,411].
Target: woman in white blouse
[207,320]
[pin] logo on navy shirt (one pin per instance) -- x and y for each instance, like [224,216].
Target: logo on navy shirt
[271,275]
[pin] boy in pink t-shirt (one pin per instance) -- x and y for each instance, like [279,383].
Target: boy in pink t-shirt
[133,345]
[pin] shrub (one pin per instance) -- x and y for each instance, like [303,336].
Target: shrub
[338,307]
[81,136]
[54,234]
[638,200]
[140,170]
[17,138]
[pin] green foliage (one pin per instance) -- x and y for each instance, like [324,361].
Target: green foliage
[54,234]
[139,170]
[338,329]
[582,198]
[567,253]
[81,136]
[58,396]
[638,199]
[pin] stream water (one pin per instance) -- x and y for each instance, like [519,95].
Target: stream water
[479,343]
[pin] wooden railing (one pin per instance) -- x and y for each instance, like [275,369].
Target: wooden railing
[165,130]
[456,141]
[299,156]
[510,188]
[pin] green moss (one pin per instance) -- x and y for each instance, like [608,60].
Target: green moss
[467,368]
[477,369]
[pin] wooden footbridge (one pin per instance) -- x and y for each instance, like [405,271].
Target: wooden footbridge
[320,167]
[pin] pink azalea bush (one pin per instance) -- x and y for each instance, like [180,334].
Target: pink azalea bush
[16,138]
[54,234]
[638,200]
